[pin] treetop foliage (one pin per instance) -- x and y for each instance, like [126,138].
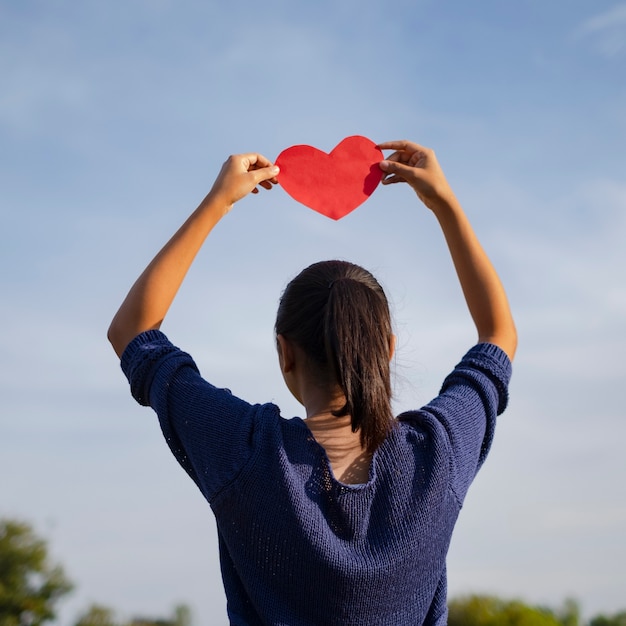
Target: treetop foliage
[30,585]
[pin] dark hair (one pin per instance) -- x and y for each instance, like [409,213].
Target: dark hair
[338,313]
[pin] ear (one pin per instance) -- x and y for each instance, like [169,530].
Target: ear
[392,346]
[285,354]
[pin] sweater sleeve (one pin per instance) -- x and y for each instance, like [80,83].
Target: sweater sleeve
[465,411]
[208,430]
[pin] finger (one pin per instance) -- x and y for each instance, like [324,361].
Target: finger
[400,157]
[255,160]
[402,146]
[393,179]
[418,159]
[265,173]
[391,145]
[398,169]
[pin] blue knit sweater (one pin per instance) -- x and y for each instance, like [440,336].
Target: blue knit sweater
[297,547]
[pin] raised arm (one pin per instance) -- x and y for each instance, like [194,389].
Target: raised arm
[483,291]
[152,294]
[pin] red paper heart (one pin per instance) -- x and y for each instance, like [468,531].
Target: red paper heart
[332,184]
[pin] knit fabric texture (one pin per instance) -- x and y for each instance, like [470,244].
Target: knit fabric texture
[297,547]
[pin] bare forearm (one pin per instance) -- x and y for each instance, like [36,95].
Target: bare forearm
[485,296]
[484,293]
[152,294]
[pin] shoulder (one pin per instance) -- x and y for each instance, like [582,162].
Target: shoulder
[477,388]
[484,369]
[461,420]
[148,354]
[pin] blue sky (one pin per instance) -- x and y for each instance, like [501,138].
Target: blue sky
[115,118]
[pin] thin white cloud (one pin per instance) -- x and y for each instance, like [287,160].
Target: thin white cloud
[609,19]
[607,30]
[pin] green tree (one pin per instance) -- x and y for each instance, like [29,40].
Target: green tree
[182,615]
[97,615]
[569,615]
[30,585]
[619,619]
[491,611]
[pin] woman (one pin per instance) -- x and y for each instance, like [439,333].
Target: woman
[344,517]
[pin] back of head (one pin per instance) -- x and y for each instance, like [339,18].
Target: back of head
[338,313]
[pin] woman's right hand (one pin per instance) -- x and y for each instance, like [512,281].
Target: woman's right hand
[240,175]
[418,166]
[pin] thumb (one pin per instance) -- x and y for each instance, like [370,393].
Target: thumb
[402,173]
[265,173]
[399,169]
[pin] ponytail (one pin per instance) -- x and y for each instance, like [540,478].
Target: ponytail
[338,313]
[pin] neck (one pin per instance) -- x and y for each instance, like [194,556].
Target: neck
[332,432]
[320,405]
[349,461]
